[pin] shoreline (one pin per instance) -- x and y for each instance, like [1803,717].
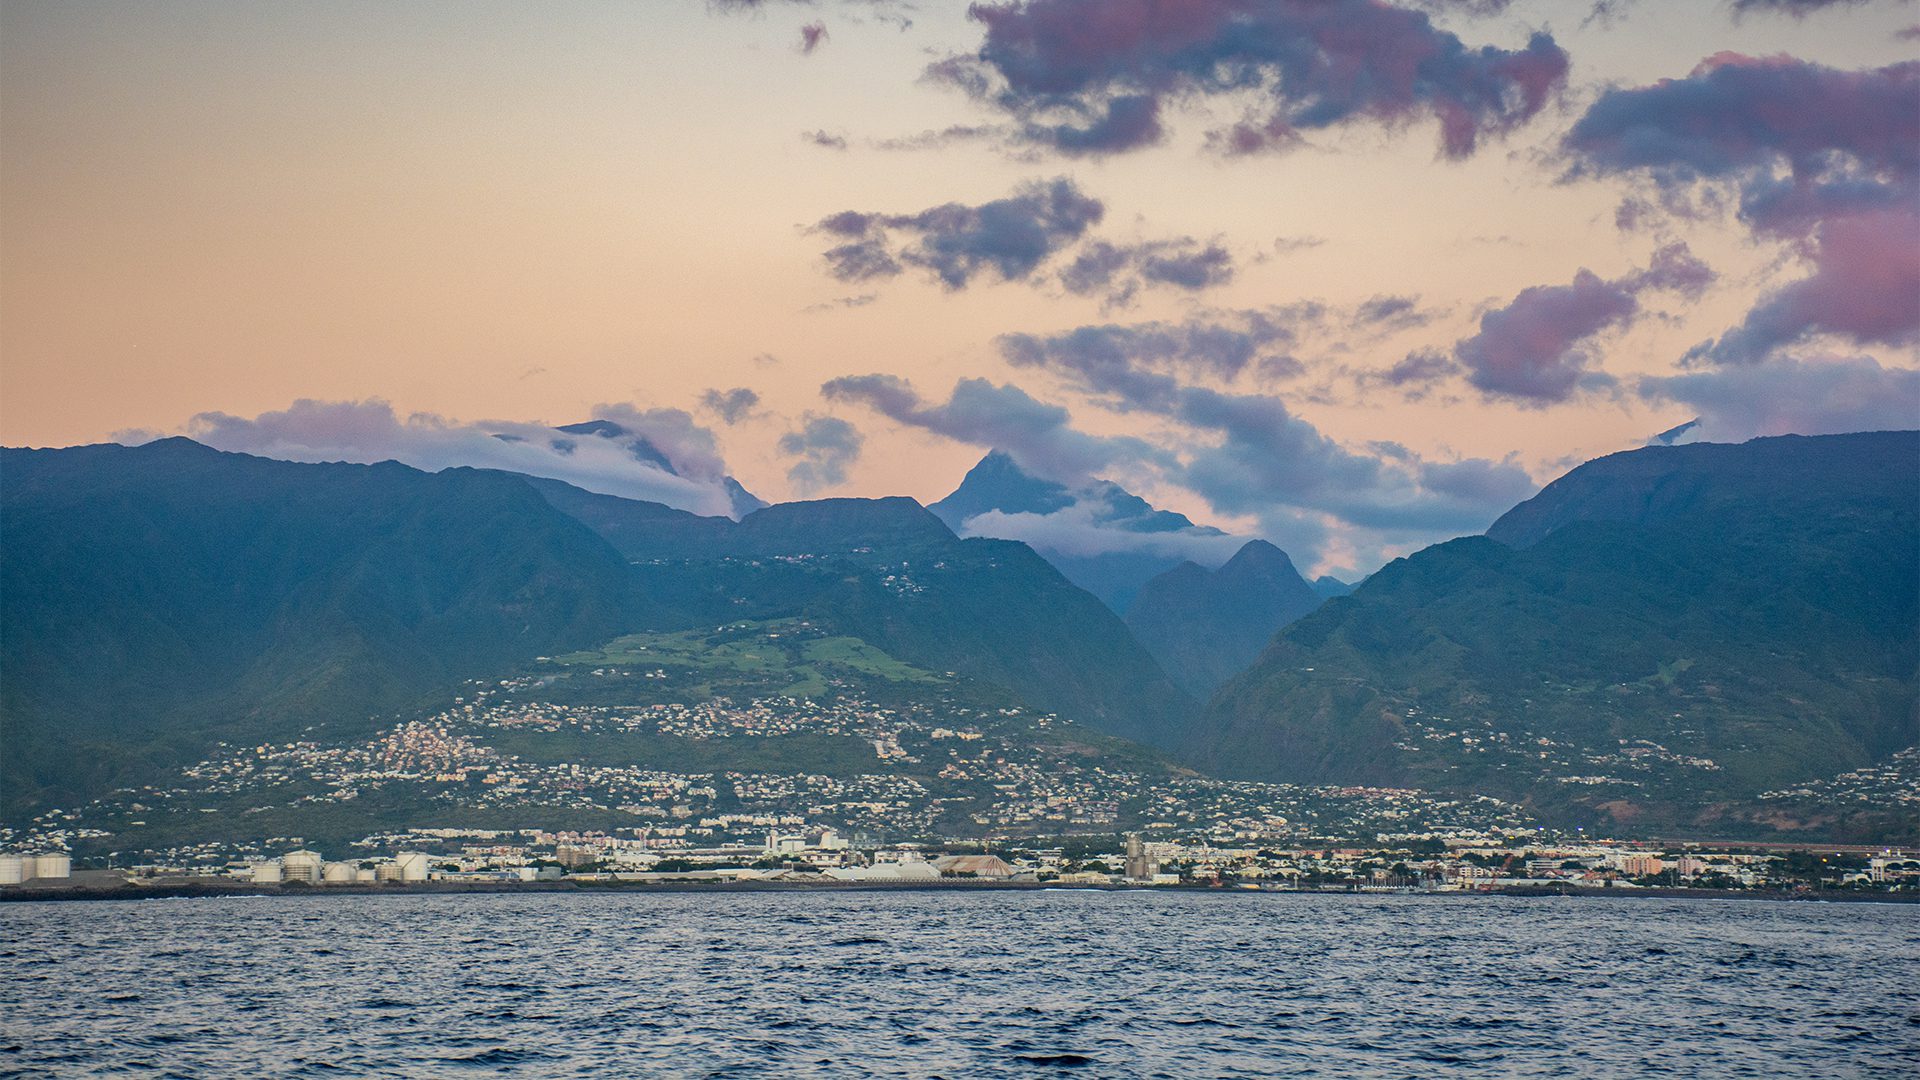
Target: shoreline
[198,891]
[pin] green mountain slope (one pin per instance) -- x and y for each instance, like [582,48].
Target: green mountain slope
[890,572]
[1206,626]
[1680,629]
[162,596]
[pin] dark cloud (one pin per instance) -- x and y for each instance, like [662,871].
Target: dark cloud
[1008,238]
[731,406]
[1117,272]
[1785,396]
[1215,345]
[1799,9]
[812,36]
[1093,76]
[1244,453]
[1039,436]
[1826,159]
[1389,314]
[1534,350]
[1843,139]
[825,139]
[1421,369]
[826,446]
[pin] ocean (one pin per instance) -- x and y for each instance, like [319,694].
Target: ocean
[959,983]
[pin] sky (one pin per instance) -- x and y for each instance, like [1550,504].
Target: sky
[1351,275]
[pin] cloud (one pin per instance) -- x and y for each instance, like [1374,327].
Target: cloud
[1824,159]
[1391,314]
[825,139]
[812,36]
[678,465]
[825,445]
[1077,529]
[1793,141]
[1244,453]
[1214,344]
[1092,77]
[1039,436]
[1120,271]
[1417,372]
[1865,287]
[1788,396]
[1799,9]
[731,406]
[1535,349]
[1008,238]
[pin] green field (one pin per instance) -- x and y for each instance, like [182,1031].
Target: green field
[789,656]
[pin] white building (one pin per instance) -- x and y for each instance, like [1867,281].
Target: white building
[302,865]
[413,865]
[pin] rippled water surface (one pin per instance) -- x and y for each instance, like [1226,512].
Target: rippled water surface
[959,984]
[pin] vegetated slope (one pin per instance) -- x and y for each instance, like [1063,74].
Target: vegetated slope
[160,597]
[1680,630]
[1206,626]
[889,572]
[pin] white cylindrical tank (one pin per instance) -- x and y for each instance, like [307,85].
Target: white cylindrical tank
[337,873]
[13,869]
[301,865]
[387,871]
[266,873]
[412,864]
[58,865]
[366,873]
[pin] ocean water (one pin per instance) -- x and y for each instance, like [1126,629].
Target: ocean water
[1149,984]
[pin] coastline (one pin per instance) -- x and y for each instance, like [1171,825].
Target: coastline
[201,891]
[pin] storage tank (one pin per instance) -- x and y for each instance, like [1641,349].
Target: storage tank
[412,864]
[266,873]
[57,865]
[387,871]
[365,873]
[337,873]
[302,865]
[13,869]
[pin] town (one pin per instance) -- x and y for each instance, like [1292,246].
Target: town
[790,855]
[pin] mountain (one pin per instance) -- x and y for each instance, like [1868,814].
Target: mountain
[1206,626]
[742,502]
[1327,587]
[891,573]
[1658,638]
[160,599]
[162,596]
[1106,539]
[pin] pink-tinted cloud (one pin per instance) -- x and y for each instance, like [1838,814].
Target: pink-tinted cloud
[1826,159]
[1092,76]
[1865,286]
[1535,350]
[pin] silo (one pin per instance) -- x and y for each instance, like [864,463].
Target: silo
[337,873]
[57,865]
[413,865]
[13,869]
[302,865]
